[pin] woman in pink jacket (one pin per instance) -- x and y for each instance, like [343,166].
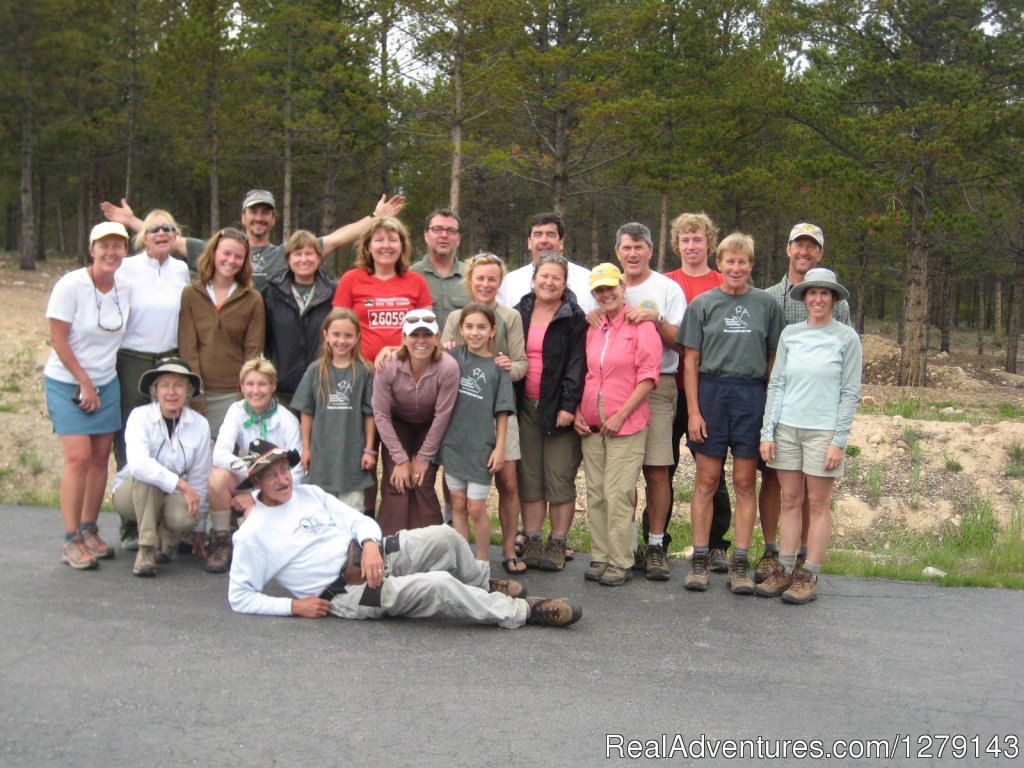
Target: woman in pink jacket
[623,361]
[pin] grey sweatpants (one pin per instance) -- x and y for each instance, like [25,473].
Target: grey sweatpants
[434,573]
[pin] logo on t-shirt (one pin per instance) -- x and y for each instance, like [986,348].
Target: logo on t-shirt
[473,385]
[649,304]
[341,397]
[739,321]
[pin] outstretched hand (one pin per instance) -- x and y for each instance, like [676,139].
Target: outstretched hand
[389,206]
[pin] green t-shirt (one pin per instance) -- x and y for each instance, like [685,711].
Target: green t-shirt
[338,438]
[732,333]
[448,293]
[485,390]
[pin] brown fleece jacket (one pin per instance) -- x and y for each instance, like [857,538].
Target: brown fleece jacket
[216,343]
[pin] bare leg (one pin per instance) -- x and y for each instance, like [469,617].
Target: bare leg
[73,479]
[659,497]
[561,517]
[481,526]
[792,483]
[744,482]
[96,477]
[819,494]
[460,513]
[769,504]
[709,469]
[507,483]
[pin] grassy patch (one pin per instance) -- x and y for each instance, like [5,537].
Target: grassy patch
[852,451]
[31,461]
[1016,466]
[1010,411]
[951,462]
[974,553]
[8,407]
[873,481]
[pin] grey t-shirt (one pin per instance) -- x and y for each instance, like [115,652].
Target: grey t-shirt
[338,439]
[732,333]
[485,390]
[267,260]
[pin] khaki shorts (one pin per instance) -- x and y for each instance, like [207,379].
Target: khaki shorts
[803,450]
[662,402]
[512,450]
[549,463]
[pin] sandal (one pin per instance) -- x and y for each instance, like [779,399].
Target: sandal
[509,564]
[520,543]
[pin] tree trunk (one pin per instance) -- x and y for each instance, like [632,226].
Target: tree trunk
[1016,303]
[913,370]
[458,94]
[11,227]
[979,318]
[663,226]
[133,57]
[28,219]
[42,218]
[942,310]
[997,314]
[213,137]
[595,233]
[861,289]
[286,207]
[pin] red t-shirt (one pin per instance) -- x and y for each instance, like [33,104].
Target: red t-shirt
[381,305]
[692,288]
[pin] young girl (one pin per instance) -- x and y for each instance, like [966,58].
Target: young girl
[334,399]
[474,445]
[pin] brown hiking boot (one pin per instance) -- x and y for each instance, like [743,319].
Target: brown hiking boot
[509,587]
[778,581]
[697,579]
[97,547]
[218,558]
[553,611]
[77,556]
[655,563]
[532,551]
[553,557]
[765,566]
[739,578]
[145,561]
[803,590]
[718,561]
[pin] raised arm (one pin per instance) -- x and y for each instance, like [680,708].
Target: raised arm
[349,233]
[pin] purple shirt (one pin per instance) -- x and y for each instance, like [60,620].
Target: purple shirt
[431,399]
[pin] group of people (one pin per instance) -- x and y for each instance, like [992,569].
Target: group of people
[281,387]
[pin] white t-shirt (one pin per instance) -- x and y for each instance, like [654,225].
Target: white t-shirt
[156,290]
[76,300]
[664,296]
[234,437]
[519,282]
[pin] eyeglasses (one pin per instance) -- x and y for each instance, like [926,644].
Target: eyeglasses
[439,230]
[99,311]
[417,316]
[160,228]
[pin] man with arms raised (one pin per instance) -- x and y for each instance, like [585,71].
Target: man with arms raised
[333,559]
[259,215]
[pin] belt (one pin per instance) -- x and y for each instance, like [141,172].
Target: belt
[351,574]
[146,356]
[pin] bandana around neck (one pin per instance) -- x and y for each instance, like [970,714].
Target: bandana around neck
[259,418]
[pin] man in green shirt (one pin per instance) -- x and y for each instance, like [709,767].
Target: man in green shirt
[444,273]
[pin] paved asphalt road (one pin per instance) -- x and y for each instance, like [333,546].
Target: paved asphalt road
[103,669]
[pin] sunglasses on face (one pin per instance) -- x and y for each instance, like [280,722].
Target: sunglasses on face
[421,317]
[160,228]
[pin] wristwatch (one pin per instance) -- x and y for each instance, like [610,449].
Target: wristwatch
[661,320]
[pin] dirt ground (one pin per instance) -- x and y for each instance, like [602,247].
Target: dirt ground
[960,452]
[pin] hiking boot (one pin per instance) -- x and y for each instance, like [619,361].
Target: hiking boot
[640,557]
[718,561]
[509,587]
[614,576]
[655,564]
[803,590]
[77,556]
[97,547]
[129,535]
[778,581]
[218,558]
[553,611]
[697,578]
[145,561]
[765,566]
[532,551]
[739,576]
[553,556]
[595,571]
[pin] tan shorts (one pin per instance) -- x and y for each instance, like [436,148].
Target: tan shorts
[512,450]
[803,450]
[662,402]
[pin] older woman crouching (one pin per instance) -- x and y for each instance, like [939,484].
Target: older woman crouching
[162,487]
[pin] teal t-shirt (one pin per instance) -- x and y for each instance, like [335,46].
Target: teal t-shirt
[338,438]
[732,333]
[485,390]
